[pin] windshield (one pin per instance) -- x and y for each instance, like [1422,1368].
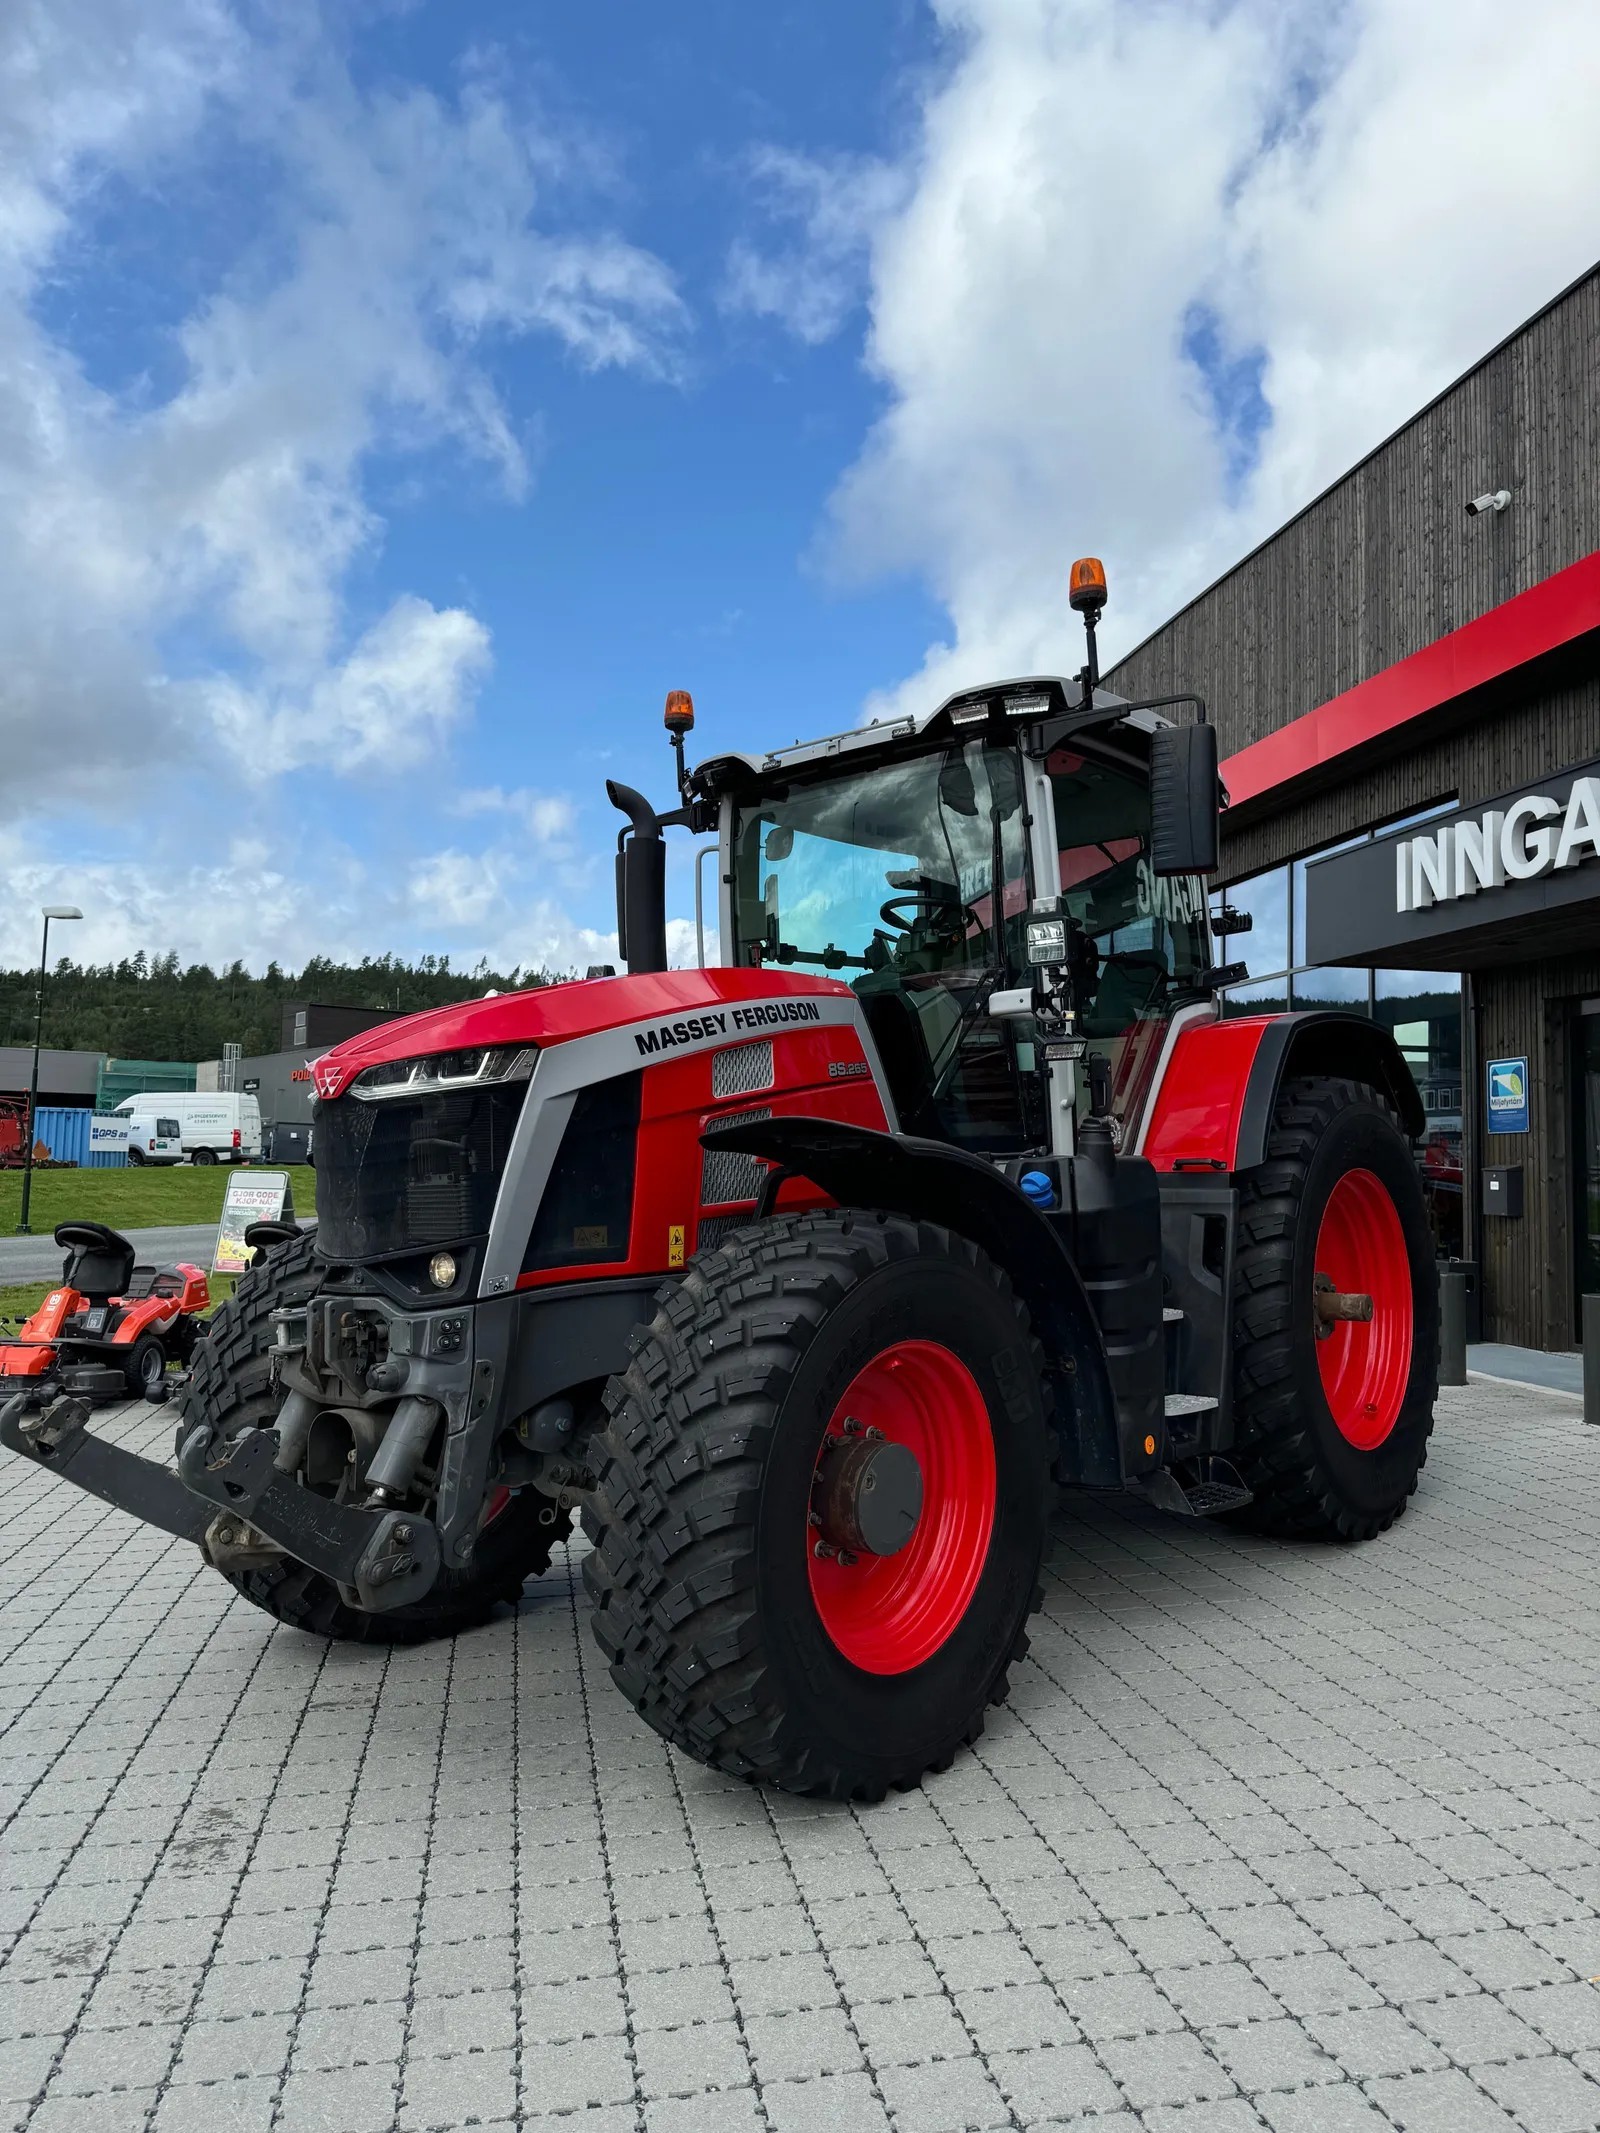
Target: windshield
[888,877]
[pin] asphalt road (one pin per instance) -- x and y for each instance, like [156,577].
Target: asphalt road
[39,1258]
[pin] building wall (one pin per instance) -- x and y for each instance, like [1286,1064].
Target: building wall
[1374,570]
[283,1099]
[1387,561]
[1528,1263]
[64,1077]
[1551,719]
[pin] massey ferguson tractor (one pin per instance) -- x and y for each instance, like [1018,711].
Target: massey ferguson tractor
[807,1279]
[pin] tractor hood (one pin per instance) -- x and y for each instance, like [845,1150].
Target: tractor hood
[548,1015]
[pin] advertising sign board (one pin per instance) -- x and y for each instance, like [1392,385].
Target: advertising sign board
[253,1196]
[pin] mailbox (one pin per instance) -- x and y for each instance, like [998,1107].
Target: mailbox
[1502,1190]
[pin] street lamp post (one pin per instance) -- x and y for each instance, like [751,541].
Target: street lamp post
[50,911]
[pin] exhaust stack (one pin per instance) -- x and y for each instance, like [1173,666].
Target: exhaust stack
[641,882]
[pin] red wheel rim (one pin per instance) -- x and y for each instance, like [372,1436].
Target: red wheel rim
[888,1613]
[1361,1248]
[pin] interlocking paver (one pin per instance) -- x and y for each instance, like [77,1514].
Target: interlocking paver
[1267,1837]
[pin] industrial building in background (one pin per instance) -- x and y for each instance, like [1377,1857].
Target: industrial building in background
[1406,679]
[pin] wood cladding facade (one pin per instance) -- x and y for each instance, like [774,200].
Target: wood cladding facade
[1376,569]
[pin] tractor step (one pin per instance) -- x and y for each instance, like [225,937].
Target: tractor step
[1217,1487]
[1189,1403]
[1207,1498]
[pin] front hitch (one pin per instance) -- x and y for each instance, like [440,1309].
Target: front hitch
[382,1559]
[386,1558]
[58,1438]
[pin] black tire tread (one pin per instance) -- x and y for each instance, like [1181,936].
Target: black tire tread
[230,1387]
[679,1465]
[1276,1450]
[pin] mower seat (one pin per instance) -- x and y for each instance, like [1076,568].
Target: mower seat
[99,1262]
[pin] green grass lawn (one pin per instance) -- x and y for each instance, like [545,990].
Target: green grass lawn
[132,1199]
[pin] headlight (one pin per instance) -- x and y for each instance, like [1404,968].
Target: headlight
[442,1072]
[442,1270]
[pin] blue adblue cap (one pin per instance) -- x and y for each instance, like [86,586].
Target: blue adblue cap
[1039,1187]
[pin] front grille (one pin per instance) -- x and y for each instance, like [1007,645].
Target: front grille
[727,1175]
[404,1175]
[741,1068]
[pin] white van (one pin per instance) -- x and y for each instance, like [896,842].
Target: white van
[153,1140]
[214,1125]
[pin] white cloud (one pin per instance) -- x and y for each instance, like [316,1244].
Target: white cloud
[176,558]
[1351,205]
[390,705]
[832,207]
[290,895]
[548,817]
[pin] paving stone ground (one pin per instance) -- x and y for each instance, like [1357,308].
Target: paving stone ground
[1301,1838]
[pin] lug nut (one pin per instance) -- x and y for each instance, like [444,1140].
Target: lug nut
[824,1551]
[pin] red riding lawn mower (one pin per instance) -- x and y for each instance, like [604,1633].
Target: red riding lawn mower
[111,1329]
[808,1278]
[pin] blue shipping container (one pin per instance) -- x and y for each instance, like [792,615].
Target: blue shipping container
[70,1135]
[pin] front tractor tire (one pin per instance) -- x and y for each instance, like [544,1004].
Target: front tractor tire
[230,1386]
[822,1501]
[1333,1418]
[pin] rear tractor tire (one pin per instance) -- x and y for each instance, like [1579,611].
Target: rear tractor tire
[1333,1417]
[230,1387]
[822,1499]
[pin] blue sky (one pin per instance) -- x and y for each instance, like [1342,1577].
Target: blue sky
[397,399]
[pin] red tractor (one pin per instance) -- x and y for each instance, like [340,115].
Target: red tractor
[807,1279]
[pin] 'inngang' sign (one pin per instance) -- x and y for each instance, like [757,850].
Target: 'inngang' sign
[1534,835]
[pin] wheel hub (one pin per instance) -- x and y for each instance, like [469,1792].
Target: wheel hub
[867,1497]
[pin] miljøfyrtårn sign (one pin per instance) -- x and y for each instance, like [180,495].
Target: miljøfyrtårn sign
[1479,884]
[1506,1105]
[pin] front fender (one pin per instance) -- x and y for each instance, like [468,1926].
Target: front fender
[927,1181]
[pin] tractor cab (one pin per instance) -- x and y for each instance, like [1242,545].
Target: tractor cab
[935,866]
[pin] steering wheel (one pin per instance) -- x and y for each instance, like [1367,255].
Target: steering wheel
[956,917]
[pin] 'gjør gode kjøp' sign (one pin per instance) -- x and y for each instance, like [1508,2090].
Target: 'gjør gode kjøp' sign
[1432,885]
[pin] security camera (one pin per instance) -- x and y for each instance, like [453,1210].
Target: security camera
[1492,500]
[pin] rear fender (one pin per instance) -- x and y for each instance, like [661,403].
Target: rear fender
[1214,1108]
[927,1181]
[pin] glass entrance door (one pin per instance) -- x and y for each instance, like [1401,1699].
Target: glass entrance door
[1586,1152]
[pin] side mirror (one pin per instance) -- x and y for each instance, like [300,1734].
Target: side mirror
[1183,799]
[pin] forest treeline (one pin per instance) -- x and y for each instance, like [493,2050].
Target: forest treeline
[154,1008]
